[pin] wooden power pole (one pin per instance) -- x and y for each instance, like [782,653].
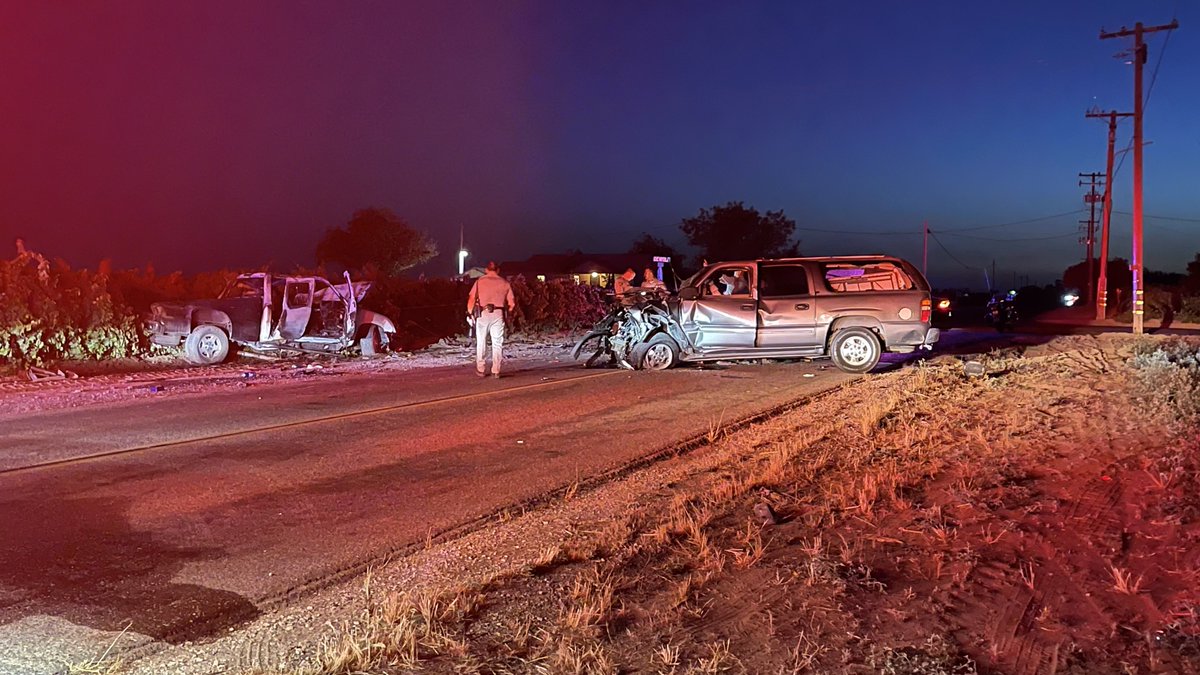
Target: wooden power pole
[1106,213]
[1091,198]
[925,248]
[1138,265]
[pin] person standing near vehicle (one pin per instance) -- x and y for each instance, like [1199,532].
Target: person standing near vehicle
[651,282]
[624,283]
[490,298]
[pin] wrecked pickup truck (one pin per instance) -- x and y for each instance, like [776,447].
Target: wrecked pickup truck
[851,309]
[269,314]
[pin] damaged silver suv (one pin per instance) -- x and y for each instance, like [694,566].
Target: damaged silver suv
[850,308]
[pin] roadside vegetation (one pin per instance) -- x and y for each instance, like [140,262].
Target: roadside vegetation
[1042,517]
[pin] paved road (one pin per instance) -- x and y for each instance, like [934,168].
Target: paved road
[214,506]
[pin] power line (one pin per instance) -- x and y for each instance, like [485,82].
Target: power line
[1147,215]
[1015,222]
[889,233]
[973,228]
[951,255]
[977,237]
[1154,76]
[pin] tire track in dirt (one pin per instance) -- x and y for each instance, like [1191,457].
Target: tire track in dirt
[1036,594]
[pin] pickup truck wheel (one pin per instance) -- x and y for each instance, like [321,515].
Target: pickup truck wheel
[206,345]
[855,349]
[659,353]
[372,344]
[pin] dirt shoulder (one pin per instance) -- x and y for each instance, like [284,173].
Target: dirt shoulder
[1040,518]
[167,375]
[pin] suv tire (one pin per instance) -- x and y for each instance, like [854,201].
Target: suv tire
[855,349]
[658,353]
[205,345]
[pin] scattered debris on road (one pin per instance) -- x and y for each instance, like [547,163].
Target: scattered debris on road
[35,374]
[40,389]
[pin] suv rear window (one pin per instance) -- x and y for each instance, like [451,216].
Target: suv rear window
[849,277]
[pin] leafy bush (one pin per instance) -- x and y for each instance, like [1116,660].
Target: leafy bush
[1169,372]
[427,310]
[49,311]
[424,311]
[138,289]
[1189,309]
[556,305]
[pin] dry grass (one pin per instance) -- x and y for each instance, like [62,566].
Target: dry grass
[1123,581]
[752,547]
[399,630]
[105,664]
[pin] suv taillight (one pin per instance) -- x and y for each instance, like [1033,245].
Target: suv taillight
[926,310]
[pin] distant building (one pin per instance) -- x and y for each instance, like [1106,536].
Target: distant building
[593,269]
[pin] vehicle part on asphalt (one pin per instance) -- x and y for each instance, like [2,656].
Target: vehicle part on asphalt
[373,343]
[35,374]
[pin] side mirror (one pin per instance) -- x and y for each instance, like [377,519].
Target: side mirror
[689,293]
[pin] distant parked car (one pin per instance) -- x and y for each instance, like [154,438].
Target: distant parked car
[272,313]
[850,308]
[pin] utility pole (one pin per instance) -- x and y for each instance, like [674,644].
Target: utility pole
[1091,198]
[1137,265]
[1106,214]
[925,257]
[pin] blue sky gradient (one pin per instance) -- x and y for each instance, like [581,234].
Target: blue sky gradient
[204,135]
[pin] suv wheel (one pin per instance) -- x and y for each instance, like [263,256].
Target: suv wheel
[659,353]
[855,349]
[206,345]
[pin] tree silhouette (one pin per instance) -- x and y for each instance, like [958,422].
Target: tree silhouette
[376,238]
[1119,276]
[737,232]
[648,244]
[1192,281]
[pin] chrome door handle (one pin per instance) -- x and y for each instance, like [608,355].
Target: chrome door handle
[802,306]
[747,307]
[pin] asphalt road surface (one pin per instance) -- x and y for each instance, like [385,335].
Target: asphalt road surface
[181,517]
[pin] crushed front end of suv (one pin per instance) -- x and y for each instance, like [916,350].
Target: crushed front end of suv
[848,308]
[269,314]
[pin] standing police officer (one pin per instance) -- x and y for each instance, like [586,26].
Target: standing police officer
[489,299]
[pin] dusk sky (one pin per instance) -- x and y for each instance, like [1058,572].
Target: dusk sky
[201,135]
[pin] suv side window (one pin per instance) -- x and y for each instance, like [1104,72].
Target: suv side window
[734,280]
[849,277]
[781,281]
